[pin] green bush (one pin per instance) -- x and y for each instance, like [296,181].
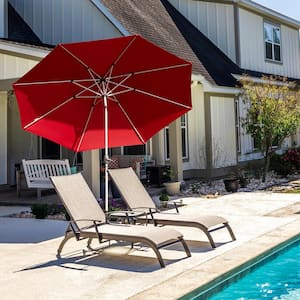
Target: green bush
[279,166]
[292,157]
[164,197]
[40,211]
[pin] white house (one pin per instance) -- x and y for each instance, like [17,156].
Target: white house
[258,40]
[222,39]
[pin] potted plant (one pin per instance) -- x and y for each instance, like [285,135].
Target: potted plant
[172,186]
[164,198]
[231,183]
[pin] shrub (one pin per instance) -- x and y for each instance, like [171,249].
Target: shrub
[279,166]
[164,197]
[40,211]
[292,157]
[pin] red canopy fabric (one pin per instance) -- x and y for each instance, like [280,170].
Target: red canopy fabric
[62,98]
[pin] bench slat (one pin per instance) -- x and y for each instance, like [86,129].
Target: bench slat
[37,172]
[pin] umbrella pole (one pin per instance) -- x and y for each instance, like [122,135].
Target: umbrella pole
[106,158]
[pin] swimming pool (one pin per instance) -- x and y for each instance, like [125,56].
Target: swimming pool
[275,276]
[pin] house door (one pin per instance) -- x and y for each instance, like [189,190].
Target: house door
[3,138]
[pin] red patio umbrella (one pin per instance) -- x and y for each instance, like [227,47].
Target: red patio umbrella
[104,93]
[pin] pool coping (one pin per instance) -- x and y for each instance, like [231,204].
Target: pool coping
[207,274]
[223,281]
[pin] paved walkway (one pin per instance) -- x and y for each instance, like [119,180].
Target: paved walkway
[260,220]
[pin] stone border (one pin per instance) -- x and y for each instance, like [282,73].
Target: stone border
[203,274]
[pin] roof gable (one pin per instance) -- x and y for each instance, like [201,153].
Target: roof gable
[151,20]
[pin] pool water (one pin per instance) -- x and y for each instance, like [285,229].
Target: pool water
[275,275]
[278,278]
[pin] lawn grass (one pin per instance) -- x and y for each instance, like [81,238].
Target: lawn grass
[295,191]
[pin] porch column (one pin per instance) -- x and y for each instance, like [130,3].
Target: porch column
[175,141]
[3,137]
[158,148]
[91,170]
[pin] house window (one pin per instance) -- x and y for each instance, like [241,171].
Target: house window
[272,42]
[134,150]
[50,150]
[256,144]
[184,138]
[237,125]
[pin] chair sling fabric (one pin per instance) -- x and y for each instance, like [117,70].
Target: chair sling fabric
[89,221]
[136,197]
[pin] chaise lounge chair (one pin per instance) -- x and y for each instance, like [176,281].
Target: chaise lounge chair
[137,198]
[89,221]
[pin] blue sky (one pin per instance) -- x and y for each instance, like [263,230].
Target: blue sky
[291,8]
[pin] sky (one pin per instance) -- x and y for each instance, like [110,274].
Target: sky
[290,8]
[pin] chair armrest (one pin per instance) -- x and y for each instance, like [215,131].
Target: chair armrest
[96,223]
[129,215]
[175,202]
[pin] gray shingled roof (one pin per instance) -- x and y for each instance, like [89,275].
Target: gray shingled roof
[151,20]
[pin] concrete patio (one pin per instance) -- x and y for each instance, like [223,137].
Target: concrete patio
[30,269]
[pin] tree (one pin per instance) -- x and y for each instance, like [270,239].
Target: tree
[273,113]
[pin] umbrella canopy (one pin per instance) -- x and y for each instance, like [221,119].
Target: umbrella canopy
[143,86]
[106,93]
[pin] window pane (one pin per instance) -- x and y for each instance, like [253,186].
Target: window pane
[268,32]
[50,150]
[277,55]
[256,143]
[135,150]
[167,141]
[269,51]
[182,119]
[276,35]
[183,136]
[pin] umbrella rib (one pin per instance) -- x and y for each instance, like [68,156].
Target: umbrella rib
[87,88]
[54,109]
[85,127]
[53,82]
[152,95]
[119,84]
[129,89]
[131,123]
[81,62]
[43,82]
[49,112]
[150,70]
[120,55]
[74,56]
[96,81]
[163,98]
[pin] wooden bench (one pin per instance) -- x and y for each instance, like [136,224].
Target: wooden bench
[37,172]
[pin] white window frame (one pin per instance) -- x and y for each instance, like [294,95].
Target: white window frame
[184,136]
[238,125]
[274,27]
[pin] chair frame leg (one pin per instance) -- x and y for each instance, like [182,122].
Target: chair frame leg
[68,235]
[230,231]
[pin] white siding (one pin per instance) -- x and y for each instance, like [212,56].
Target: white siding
[297,138]
[246,141]
[3,138]
[63,21]
[214,20]
[196,131]
[252,47]
[12,66]
[223,132]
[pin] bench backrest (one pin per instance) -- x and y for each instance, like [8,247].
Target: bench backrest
[38,171]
